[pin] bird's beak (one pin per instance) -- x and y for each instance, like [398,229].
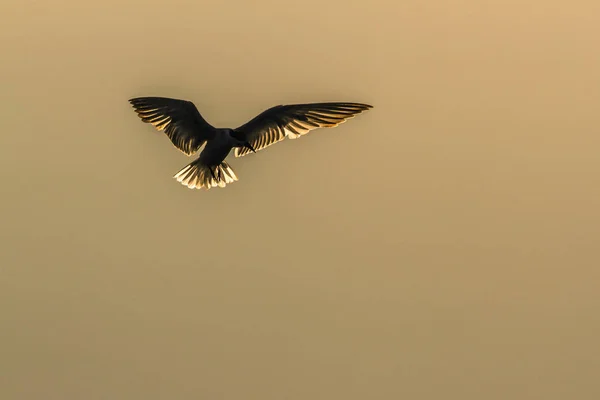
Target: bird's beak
[248,145]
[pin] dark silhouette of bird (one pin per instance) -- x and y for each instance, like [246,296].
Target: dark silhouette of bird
[181,121]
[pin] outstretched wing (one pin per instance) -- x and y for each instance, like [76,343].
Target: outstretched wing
[180,120]
[293,121]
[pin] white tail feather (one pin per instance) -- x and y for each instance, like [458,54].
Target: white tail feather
[197,176]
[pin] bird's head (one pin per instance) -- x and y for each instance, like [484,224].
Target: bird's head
[242,140]
[249,146]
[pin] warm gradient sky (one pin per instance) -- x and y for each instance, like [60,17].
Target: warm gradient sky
[444,245]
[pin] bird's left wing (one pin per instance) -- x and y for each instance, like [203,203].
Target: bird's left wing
[293,121]
[179,119]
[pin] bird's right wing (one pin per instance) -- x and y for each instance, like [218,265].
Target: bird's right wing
[179,119]
[293,121]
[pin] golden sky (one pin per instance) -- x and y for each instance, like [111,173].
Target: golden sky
[443,245]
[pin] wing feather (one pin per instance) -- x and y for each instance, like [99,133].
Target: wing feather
[180,120]
[295,120]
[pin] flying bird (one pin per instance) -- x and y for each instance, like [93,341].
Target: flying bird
[188,131]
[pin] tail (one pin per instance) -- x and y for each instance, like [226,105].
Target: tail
[196,175]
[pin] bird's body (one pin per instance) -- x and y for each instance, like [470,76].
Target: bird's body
[189,131]
[217,149]
[212,159]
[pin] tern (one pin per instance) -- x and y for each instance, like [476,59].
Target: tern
[188,131]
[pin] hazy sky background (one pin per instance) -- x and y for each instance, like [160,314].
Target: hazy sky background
[443,245]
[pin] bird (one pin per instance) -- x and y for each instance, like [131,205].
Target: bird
[188,131]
